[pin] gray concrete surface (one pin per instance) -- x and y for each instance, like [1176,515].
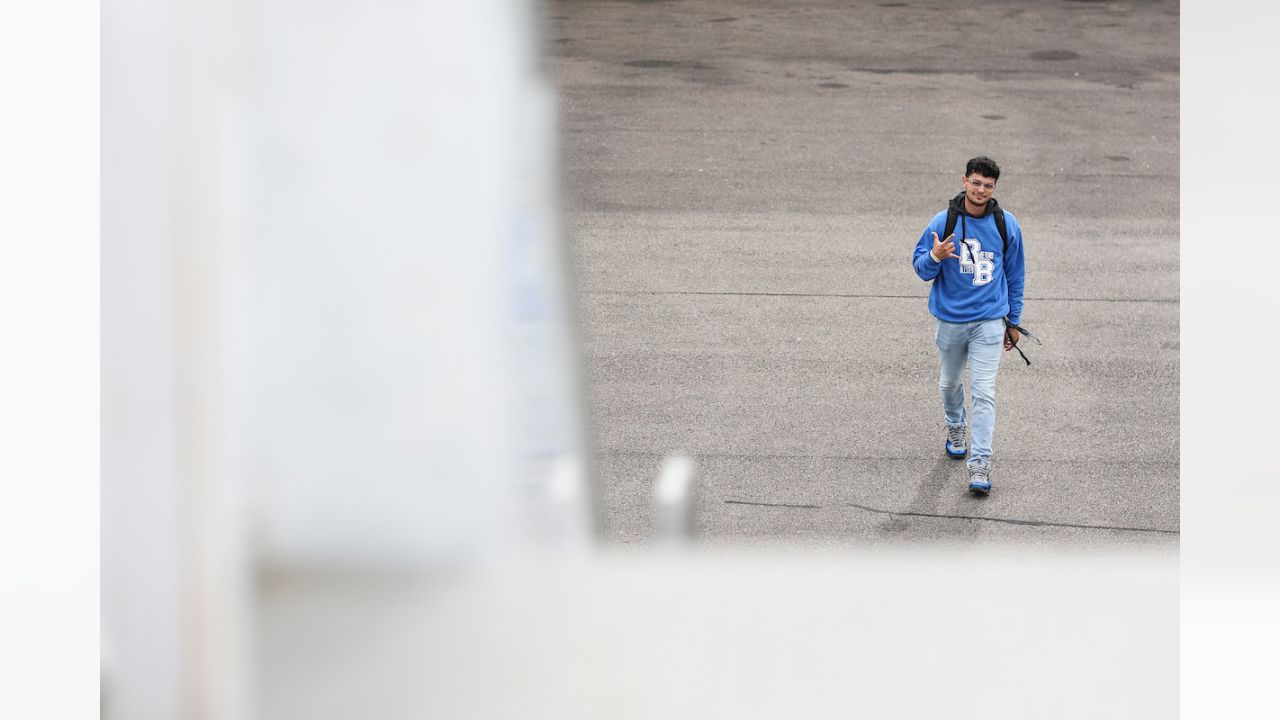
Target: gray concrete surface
[744,184]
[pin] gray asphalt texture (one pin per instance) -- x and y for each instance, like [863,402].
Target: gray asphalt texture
[744,184]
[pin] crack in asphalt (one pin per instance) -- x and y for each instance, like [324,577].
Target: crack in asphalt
[944,516]
[1013,521]
[765,504]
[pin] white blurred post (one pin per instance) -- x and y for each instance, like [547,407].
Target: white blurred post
[141,584]
[217,564]
[673,501]
[176,566]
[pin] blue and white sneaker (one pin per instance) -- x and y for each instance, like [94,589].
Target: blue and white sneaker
[956,447]
[980,478]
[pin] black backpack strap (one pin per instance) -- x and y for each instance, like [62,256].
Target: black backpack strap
[952,218]
[1004,234]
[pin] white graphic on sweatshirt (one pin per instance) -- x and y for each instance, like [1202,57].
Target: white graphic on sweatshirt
[984,268]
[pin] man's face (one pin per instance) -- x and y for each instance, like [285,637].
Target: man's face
[978,188]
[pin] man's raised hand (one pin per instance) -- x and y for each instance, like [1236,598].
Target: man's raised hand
[945,249]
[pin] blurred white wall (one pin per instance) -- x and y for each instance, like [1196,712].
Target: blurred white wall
[396,316]
[333,314]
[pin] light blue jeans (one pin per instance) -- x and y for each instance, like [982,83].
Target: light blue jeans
[980,343]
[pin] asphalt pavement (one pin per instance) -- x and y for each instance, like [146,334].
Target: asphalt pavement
[744,183]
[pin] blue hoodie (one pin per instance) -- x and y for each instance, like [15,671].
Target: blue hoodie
[964,291]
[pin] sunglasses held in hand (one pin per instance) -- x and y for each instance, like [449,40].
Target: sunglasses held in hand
[1022,333]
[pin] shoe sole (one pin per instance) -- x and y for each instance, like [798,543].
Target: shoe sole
[979,490]
[952,455]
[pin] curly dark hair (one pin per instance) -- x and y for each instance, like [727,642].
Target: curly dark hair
[984,166]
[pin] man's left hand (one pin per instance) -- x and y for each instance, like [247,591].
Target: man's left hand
[1011,338]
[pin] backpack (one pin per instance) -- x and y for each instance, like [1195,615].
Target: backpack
[998,213]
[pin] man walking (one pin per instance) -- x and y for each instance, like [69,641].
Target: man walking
[973,295]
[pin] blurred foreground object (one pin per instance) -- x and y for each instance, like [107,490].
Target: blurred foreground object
[673,501]
[793,633]
[335,329]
